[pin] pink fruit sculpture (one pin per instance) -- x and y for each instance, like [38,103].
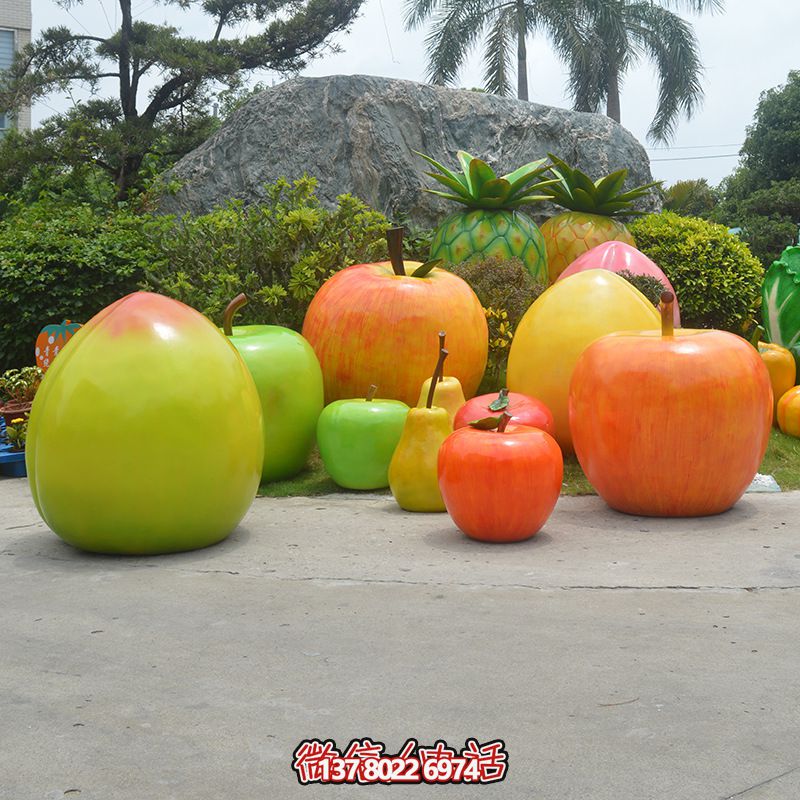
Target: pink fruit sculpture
[621,257]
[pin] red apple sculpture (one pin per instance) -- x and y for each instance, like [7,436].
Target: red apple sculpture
[622,257]
[524,410]
[370,323]
[672,423]
[500,485]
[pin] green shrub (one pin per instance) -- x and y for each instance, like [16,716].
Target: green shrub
[417,241]
[59,261]
[652,288]
[716,277]
[768,217]
[278,252]
[506,291]
[20,385]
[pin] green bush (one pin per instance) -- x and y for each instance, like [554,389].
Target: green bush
[652,288]
[278,252]
[506,291]
[417,241]
[716,277]
[768,217]
[63,261]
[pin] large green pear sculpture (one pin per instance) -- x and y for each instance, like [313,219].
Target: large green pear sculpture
[146,434]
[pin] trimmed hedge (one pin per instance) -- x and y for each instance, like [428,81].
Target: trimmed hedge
[64,262]
[279,252]
[716,277]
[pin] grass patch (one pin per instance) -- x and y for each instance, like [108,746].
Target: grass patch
[782,460]
[575,482]
[312,481]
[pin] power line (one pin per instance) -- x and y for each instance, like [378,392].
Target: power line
[696,158]
[108,21]
[77,20]
[386,28]
[695,147]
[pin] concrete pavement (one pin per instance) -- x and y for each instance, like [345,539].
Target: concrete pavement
[619,658]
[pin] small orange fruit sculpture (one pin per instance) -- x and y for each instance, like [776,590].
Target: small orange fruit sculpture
[51,341]
[789,412]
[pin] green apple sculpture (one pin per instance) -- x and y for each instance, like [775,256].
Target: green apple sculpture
[288,377]
[357,439]
[145,436]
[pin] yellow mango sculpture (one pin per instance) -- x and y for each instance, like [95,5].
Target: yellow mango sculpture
[557,328]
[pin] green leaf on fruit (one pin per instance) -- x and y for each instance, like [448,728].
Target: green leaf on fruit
[421,272]
[485,424]
[500,403]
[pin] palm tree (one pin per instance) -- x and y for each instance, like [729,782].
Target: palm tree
[600,40]
[617,35]
[459,23]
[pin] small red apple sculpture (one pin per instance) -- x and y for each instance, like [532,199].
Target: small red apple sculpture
[501,484]
[370,323]
[524,410]
[621,257]
[670,424]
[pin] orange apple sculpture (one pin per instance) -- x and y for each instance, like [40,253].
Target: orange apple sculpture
[557,328]
[501,484]
[370,323]
[673,423]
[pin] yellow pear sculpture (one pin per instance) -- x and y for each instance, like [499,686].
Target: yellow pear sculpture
[413,471]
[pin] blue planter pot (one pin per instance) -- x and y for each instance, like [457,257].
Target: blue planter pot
[12,462]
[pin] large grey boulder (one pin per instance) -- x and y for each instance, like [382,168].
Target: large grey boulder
[357,134]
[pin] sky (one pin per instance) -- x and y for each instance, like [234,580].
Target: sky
[749,48]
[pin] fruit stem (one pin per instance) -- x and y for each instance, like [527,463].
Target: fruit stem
[371,393]
[502,396]
[233,307]
[504,420]
[442,337]
[394,238]
[757,334]
[434,378]
[667,319]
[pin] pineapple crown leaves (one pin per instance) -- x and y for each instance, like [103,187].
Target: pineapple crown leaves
[477,185]
[576,191]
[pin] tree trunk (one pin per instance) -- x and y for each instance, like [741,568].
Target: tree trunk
[522,52]
[127,176]
[612,101]
[127,98]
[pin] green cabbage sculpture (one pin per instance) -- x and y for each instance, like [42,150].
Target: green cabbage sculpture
[780,301]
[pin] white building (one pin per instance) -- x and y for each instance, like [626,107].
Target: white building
[15,33]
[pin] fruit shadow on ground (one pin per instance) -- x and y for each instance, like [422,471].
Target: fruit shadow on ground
[782,461]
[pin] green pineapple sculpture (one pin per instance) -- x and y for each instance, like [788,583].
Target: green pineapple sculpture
[491,224]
